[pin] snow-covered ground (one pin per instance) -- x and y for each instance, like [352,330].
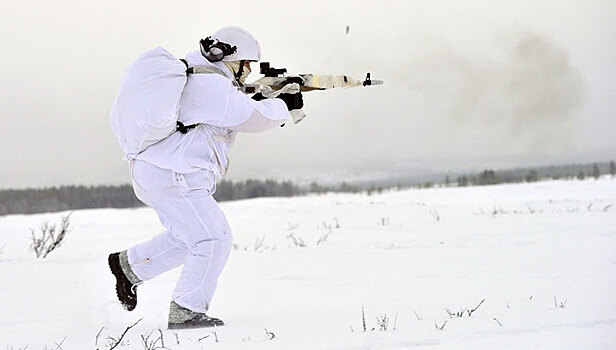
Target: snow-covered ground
[541,255]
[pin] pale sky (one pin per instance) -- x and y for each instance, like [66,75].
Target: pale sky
[468,84]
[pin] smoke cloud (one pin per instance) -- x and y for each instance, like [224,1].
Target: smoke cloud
[523,100]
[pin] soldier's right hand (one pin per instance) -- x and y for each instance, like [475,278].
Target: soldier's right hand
[293,101]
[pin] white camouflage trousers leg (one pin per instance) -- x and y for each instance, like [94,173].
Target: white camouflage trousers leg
[197,236]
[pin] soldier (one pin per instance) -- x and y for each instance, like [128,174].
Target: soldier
[177,178]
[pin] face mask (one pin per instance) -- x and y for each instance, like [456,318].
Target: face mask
[234,67]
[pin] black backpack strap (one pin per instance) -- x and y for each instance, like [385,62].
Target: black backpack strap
[179,126]
[189,70]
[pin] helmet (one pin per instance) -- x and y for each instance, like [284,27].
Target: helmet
[248,47]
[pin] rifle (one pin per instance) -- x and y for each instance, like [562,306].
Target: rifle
[275,82]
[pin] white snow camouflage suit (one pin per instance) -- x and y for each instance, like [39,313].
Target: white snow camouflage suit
[176,177]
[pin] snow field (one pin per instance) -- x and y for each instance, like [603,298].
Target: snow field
[542,255]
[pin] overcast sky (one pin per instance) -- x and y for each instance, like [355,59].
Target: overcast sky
[468,84]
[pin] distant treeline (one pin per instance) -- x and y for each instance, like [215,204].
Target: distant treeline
[485,177]
[229,190]
[493,177]
[31,201]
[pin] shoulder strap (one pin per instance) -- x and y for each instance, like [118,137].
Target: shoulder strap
[204,70]
[207,70]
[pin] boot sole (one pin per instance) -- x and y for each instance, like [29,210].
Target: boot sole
[116,270]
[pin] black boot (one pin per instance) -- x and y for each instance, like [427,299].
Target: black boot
[125,289]
[181,318]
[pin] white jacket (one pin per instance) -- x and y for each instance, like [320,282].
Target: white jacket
[222,110]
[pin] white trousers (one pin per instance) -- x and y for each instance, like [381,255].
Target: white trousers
[197,234]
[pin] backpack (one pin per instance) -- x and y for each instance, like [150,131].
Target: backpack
[145,110]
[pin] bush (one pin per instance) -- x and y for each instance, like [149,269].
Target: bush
[49,238]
